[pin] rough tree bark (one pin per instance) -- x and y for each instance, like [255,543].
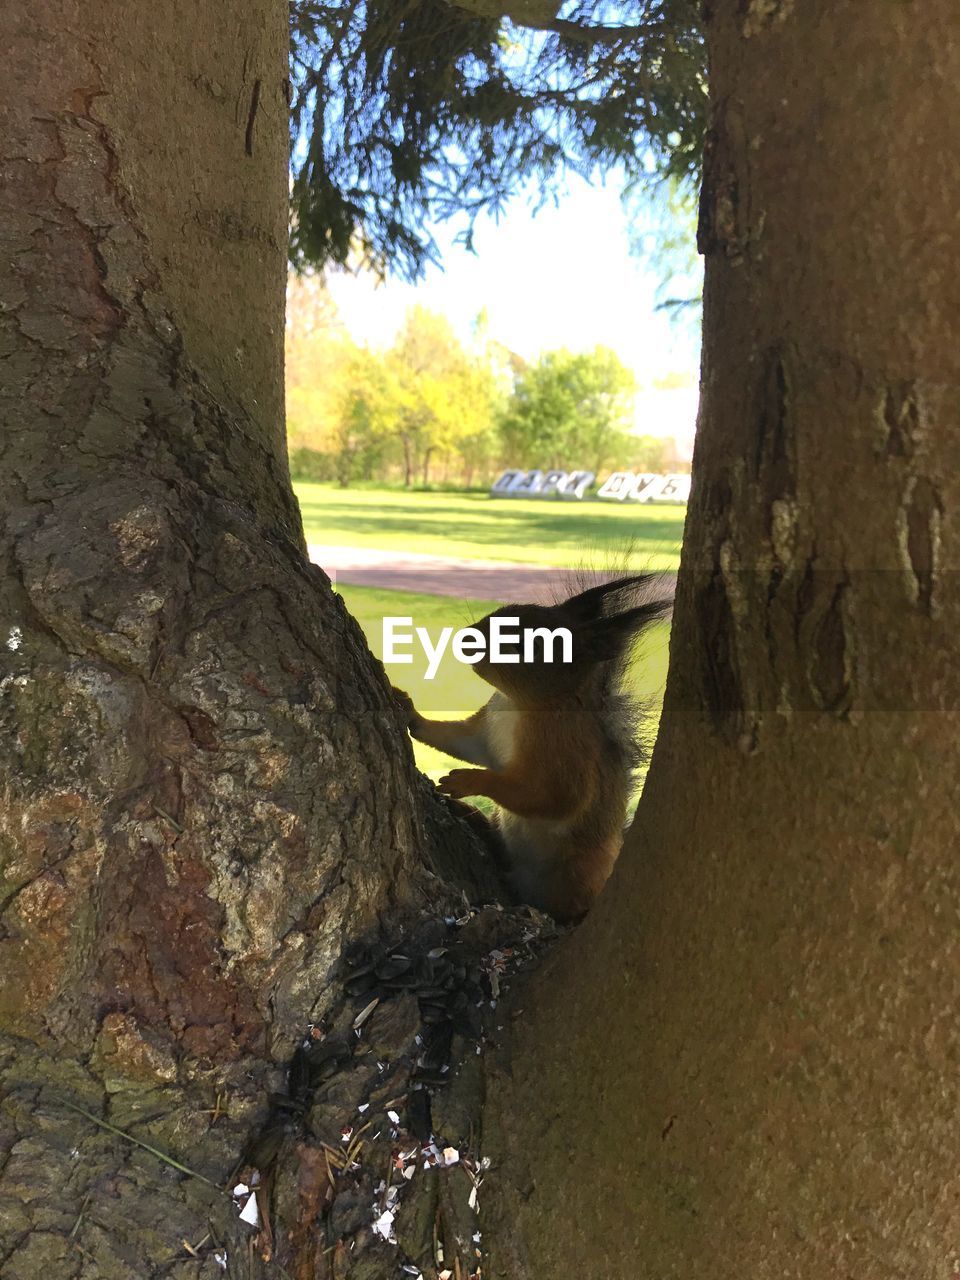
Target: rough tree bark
[752,1042]
[744,1063]
[205,785]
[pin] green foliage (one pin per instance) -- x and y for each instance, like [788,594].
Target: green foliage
[664,220]
[317,351]
[406,113]
[433,410]
[648,453]
[356,415]
[364,416]
[311,465]
[570,409]
[439,399]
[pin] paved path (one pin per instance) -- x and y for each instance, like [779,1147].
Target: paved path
[439,575]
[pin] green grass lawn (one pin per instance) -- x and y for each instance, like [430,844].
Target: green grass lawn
[472,526]
[456,691]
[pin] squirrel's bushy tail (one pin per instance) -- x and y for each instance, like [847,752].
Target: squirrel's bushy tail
[612,616]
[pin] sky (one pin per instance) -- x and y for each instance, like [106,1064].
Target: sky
[561,277]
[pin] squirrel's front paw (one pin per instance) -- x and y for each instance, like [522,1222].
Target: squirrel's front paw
[405,703]
[458,783]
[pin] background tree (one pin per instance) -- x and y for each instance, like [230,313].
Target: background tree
[569,409]
[357,414]
[645,453]
[362,419]
[495,368]
[317,354]
[441,395]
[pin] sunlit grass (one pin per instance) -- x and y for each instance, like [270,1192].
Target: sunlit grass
[472,526]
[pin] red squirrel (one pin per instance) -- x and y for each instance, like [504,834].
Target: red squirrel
[556,745]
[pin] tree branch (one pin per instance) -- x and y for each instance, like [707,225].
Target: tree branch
[543,17]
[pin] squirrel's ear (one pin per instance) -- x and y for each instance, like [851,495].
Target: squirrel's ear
[605,596]
[606,638]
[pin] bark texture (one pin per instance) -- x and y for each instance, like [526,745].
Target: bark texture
[206,788]
[752,1041]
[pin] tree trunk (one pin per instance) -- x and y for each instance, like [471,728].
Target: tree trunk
[207,788]
[407,460]
[752,1042]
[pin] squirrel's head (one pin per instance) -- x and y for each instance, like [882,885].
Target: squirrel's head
[552,650]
